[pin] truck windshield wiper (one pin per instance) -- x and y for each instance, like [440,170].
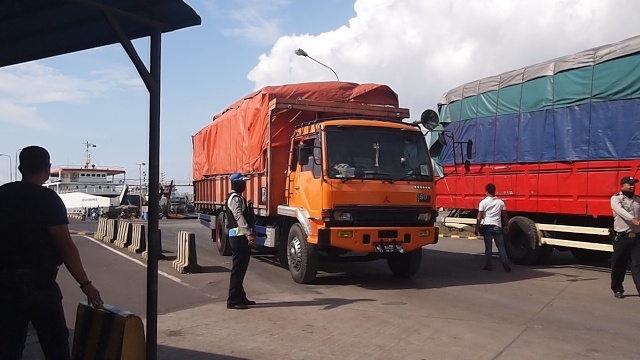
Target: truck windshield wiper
[410,174]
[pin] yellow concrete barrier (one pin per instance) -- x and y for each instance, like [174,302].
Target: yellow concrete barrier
[138,239]
[107,332]
[161,256]
[124,235]
[186,260]
[112,231]
[101,231]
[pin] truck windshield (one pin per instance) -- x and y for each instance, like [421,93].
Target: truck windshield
[377,153]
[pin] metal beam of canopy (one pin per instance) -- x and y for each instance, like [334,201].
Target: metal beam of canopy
[37,29]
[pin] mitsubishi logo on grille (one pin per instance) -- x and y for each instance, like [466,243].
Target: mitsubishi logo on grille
[386,199]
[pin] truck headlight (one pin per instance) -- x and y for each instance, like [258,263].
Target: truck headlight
[424,216]
[342,216]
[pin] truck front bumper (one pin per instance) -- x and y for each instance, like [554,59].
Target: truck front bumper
[368,240]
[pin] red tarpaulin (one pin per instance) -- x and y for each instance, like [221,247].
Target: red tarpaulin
[237,139]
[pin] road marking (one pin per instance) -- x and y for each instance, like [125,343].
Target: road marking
[168,276]
[460,237]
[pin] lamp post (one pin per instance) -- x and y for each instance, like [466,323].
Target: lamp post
[15,168]
[10,167]
[301,52]
[140,165]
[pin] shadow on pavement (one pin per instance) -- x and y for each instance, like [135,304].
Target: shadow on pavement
[213,269]
[171,353]
[328,303]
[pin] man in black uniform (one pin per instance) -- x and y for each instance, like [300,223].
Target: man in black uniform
[241,239]
[34,242]
[626,237]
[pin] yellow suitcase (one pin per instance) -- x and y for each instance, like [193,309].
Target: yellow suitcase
[107,333]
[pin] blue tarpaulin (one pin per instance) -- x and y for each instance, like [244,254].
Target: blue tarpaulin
[581,107]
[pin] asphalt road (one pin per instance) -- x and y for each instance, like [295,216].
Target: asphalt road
[561,310]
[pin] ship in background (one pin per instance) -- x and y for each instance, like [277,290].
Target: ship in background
[88,186]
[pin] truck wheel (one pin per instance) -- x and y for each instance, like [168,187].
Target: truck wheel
[591,256]
[522,242]
[222,235]
[302,257]
[405,265]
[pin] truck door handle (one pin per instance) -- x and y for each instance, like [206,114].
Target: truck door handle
[297,187]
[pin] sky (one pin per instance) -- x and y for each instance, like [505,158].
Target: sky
[420,48]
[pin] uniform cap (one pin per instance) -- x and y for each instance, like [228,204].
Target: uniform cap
[628,180]
[236,176]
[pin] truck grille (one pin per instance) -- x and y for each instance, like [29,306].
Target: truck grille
[384,217]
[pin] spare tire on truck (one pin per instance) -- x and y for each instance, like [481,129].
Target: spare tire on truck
[523,243]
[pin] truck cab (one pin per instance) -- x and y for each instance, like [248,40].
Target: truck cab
[368,188]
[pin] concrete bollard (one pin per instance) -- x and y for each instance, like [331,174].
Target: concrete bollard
[101,232]
[124,235]
[186,260]
[138,239]
[161,256]
[112,231]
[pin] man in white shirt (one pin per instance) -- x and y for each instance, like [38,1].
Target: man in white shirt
[496,221]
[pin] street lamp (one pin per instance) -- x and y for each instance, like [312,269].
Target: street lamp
[16,164]
[140,165]
[301,52]
[10,167]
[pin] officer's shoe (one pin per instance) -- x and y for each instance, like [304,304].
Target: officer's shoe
[249,302]
[237,306]
[618,294]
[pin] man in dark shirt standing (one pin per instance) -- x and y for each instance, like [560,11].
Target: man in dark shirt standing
[241,239]
[34,242]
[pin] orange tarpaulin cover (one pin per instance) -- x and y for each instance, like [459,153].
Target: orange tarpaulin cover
[237,139]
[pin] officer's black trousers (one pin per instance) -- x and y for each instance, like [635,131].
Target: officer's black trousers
[241,254]
[25,301]
[625,249]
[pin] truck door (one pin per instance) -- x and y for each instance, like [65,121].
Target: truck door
[306,180]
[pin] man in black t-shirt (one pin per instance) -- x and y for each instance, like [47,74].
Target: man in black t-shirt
[34,242]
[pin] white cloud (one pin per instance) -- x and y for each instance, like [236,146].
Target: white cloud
[257,21]
[21,115]
[424,48]
[24,86]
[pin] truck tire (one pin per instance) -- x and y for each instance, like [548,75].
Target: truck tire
[222,235]
[591,256]
[522,242]
[405,265]
[302,257]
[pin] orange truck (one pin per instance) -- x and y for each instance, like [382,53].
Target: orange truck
[335,174]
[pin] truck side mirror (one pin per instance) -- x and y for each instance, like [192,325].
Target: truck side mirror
[429,119]
[467,166]
[469,148]
[441,139]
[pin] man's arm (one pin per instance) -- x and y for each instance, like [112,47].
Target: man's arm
[73,263]
[505,221]
[235,205]
[616,206]
[478,220]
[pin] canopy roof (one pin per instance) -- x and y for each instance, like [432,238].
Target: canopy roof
[37,29]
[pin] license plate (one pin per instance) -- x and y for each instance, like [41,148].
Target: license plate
[388,248]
